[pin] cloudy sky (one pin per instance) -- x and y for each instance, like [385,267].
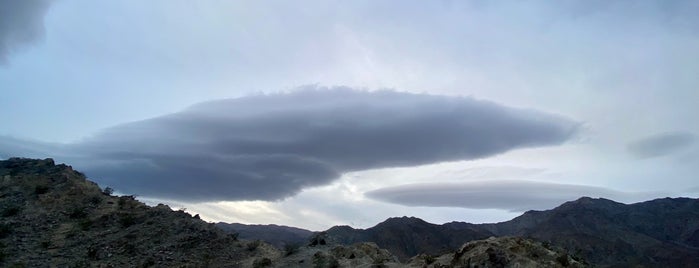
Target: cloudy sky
[318,113]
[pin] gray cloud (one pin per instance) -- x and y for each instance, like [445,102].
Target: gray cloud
[661,144]
[271,146]
[21,23]
[512,195]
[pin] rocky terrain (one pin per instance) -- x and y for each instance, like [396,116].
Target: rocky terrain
[657,233]
[51,216]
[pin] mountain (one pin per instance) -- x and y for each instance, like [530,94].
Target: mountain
[52,216]
[408,236]
[661,232]
[656,233]
[277,235]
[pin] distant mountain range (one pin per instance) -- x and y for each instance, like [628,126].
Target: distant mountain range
[656,233]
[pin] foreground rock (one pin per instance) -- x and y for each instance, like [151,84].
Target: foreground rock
[52,216]
[500,252]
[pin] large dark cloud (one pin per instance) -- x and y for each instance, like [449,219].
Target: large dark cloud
[512,195]
[271,146]
[21,23]
[661,144]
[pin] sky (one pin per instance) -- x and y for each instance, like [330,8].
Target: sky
[322,113]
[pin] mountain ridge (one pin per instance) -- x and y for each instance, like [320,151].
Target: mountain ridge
[662,231]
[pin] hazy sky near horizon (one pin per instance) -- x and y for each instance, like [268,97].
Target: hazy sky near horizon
[504,105]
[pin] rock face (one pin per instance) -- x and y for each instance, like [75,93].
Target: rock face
[52,216]
[500,252]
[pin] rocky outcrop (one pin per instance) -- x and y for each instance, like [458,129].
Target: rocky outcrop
[500,252]
[52,216]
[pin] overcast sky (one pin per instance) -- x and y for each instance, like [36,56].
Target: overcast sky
[318,113]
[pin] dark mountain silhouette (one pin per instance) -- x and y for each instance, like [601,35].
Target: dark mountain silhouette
[657,233]
[277,235]
[408,236]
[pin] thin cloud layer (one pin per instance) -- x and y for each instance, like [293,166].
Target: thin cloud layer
[511,195]
[269,147]
[661,144]
[21,23]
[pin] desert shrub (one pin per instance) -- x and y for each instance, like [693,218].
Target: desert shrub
[253,245]
[291,249]
[94,200]
[85,224]
[5,230]
[563,260]
[127,201]
[108,191]
[10,211]
[77,212]
[323,260]
[429,259]
[127,220]
[234,236]
[377,263]
[41,189]
[18,265]
[45,244]
[148,263]
[264,262]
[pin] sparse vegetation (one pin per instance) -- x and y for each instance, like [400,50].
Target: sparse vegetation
[429,259]
[253,245]
[77,212]
[321,260]
[126,219]
[290,249]
[563,260]
[263,262]
[108,191]
[10,211]
[41,189]
[5,229]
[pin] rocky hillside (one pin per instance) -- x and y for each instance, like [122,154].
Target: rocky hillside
[501,252]
[52,216]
